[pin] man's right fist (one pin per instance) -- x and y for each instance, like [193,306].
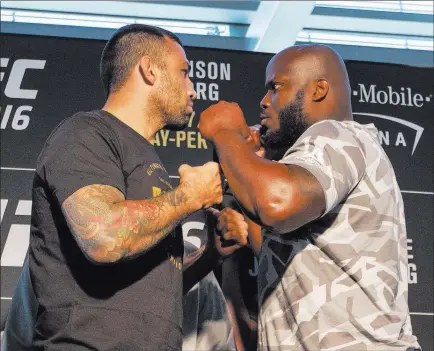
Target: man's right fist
[202,184]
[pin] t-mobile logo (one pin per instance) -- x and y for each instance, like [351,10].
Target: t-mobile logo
[403,97]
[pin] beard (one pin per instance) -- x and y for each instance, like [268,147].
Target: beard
[174,111]
[178,123]
[292,120]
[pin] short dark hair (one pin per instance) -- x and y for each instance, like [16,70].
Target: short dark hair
[126,47]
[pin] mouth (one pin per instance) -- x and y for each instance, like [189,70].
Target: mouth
[263,117]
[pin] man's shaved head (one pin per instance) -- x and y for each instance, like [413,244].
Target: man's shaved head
[305,84]
[309,63]
[126,47]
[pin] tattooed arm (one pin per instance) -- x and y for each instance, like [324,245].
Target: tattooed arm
[276,196]
[109,228]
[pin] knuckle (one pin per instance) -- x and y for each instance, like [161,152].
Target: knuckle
[239,217]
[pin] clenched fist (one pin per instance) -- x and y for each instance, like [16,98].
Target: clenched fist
[202,184]
[255,139]
[223,116]
[232,230]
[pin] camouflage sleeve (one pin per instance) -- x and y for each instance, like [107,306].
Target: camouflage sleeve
[333,152]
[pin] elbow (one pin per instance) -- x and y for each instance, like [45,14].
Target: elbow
[101,261]
[103,252]
[274,210]
[273,216]
[98,259]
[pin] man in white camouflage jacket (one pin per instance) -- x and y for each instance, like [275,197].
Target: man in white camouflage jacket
[332,249]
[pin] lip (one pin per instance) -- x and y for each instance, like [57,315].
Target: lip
[263,116]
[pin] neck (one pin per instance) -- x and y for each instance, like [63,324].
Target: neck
[338,113]
[137,114]
[343,114]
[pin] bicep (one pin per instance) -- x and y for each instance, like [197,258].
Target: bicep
[307,195]
[88,215]
[303,200]
[335,158]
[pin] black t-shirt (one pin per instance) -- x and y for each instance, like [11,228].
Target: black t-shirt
[133,305]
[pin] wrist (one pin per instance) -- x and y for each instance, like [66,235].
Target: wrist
[232,137]
[222,134]
[192,203]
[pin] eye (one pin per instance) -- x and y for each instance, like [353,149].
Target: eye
[185,72]
[272,86]
[275,86]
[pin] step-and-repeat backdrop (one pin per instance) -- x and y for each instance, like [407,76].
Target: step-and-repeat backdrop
[46,79]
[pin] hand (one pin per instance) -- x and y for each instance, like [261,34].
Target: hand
[232,230]
[255,139]
[223,116]
[201,184]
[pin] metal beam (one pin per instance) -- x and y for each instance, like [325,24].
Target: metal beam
[189,40]
[140,9]
[277,23]
[369,25]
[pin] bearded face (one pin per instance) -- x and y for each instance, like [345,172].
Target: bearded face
[175,103]
[291,125]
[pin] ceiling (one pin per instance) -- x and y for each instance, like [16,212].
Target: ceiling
[268,26]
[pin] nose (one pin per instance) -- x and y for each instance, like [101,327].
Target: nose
[265,102]
[191,92]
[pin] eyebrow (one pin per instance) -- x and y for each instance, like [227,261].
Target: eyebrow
[269,84]
[282,80]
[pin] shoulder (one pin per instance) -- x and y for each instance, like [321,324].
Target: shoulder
[81,130]
[338,135]
[92,120]
[337,130]
[81,126]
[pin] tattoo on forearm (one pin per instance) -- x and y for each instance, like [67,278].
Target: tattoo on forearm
[109,228]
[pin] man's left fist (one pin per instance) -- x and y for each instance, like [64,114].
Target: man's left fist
[231,232]
[223,116]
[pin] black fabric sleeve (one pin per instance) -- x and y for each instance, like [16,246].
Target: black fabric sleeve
[81,152]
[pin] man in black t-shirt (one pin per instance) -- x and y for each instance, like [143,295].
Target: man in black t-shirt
[106,252]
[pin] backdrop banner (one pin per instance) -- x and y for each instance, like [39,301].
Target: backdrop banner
[46,79]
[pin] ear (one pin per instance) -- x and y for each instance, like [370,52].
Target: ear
[147,70]
[321,90]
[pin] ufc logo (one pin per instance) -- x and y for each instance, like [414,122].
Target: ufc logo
[17,242]
[19,68]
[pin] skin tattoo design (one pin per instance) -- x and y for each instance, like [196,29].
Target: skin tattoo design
[108,231]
